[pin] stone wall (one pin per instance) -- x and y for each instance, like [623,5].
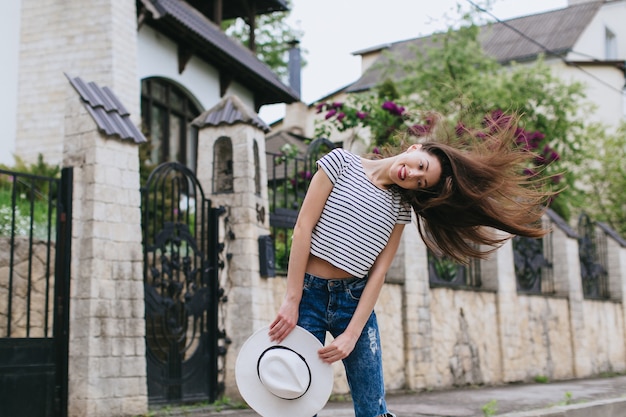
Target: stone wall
[435,338]
[41,282]
[497,335]
[444,337]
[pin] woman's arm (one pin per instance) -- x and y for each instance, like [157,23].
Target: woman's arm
[344,343]
[310,212]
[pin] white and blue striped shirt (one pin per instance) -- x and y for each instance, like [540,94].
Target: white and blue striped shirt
[358,217]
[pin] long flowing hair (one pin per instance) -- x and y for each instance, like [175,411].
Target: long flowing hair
[484,185]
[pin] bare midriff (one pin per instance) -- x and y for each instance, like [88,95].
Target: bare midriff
[324,269]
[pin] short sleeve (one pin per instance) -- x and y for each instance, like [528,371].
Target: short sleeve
[333,163]
[404,215]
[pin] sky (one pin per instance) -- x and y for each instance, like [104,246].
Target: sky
[334,29]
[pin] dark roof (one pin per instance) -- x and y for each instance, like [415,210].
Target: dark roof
[275,142]
[191,29]
[108,112]
[229,111]
[239,8]
[556,30]
[559,222]
[612,233]
[273,149]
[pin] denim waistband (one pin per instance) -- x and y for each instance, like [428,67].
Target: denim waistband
[334,284]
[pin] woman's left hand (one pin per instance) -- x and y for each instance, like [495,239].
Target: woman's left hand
[339,349]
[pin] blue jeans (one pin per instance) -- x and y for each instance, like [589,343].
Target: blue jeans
[328,305]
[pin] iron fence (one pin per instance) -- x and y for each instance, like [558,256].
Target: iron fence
[593,259]
[289,179]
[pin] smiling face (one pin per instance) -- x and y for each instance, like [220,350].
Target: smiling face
[416,169]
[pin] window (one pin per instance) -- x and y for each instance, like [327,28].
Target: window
[223,166]
[167,112]
[610,45]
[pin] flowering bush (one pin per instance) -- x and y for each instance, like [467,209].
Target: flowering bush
[386,117]
[382,118]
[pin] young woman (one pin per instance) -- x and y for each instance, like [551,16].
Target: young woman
[349,228]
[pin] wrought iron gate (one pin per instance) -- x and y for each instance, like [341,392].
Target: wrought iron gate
[181,265]
[34,291]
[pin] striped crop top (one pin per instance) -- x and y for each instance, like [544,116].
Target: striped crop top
[358,217]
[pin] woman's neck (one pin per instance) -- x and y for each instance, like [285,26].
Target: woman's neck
[377,171]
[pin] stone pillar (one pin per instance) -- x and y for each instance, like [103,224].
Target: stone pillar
[93,39]
[501,267]
[251,302]
[616,260]
[567,281]
[416,313]
[107,367]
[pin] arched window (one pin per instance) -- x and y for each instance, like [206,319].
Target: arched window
[223,166]
[167,112]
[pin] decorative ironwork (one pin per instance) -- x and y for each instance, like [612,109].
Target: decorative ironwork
[593,262]
[290,176]
[443,271]
[181,263]
[36,233]
[533,269]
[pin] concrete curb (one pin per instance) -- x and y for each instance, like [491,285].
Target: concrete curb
[613,407]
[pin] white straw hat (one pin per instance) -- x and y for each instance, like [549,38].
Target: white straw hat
[287,379]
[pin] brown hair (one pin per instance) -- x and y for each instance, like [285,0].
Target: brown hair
[482,184]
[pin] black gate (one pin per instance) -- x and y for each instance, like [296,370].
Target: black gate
[181,265]
[35,241]
[289,177]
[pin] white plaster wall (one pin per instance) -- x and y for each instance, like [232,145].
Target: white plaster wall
[591,43]
[157,57]
[603,88]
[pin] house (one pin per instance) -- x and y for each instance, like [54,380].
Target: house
[94,80]
[584,42]
[181,62]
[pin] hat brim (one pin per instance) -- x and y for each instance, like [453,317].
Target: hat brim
[263,401]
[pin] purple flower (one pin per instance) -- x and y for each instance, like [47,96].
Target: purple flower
[529,172]
[497,120]
[330,113]
[340,116]
[376,151]
[419,130]
[337,105]
[557,178]
[554,156]
[320,107]
[393,108]
[361,115]
[460,129]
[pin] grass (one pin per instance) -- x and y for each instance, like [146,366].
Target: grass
[490,408]
[18,217]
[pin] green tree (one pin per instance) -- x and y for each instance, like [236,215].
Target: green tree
[273,38]
[451,74]
[603,176]
[456,77]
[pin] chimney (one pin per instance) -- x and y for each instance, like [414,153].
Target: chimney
[294,66]
[295,113]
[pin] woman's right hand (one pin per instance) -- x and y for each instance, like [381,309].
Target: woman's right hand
[285,321]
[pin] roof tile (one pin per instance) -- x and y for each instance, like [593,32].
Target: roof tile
[110,115]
